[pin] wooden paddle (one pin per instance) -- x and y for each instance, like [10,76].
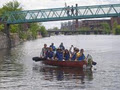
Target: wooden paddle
[36,59]
[94,63]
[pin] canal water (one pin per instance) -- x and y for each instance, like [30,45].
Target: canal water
[19,72]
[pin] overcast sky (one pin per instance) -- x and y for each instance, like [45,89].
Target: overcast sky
[42,4]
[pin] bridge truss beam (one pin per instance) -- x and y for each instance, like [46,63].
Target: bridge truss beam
[56,14]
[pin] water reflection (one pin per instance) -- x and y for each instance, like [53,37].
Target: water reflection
[64,74]
[10,69]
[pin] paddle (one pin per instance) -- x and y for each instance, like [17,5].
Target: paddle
[94,63]
[36,59]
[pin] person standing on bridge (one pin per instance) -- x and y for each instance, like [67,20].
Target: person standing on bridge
[68,11]
[76,9]
[72,11]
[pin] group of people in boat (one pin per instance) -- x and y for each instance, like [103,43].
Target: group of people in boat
[61,53]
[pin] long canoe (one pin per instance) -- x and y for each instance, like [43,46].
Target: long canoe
[78,64]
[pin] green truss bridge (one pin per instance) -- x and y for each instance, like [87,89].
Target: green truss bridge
[65,13]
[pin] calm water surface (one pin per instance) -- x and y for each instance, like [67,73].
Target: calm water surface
[19,72]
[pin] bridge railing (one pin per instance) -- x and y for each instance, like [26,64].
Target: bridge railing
[55,14]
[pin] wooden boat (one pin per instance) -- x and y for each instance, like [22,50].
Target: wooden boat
[78,64]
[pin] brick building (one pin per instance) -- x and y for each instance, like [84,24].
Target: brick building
[91,24]
[94,24]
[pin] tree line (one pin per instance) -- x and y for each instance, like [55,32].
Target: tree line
[26,30]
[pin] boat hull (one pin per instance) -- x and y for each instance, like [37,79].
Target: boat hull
[78,64]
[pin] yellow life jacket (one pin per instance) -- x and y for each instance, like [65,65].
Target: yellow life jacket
[78,54]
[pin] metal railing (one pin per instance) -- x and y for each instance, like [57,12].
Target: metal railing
[65,13]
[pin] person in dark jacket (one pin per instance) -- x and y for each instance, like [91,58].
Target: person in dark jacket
[50,54]
[73,53]
[66,55]
[62,46]
[59,55]
[72,10]
[53,47]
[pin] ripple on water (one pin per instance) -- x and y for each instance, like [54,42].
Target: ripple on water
[18,72]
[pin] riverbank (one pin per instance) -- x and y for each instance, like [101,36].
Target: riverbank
[15,40]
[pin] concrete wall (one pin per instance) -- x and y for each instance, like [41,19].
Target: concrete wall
[4,43]
[15,40]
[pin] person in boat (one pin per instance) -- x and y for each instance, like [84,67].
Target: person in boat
[82,56]
[66,55]
[77,54]
[72,53]
[62,46]
[44,51]
[59,54]
[89,60]
[53,47]
[50,53]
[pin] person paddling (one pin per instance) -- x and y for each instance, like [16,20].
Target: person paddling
[59,54]
[82,56]
[73,53]
[50,53]
[44,50]
[66,55]
[53,47]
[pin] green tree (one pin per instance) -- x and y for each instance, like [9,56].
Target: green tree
[117,30]
[106,27]
[1,12]
[115,24]
[55,28]
[43,31]
[14,28]
[1,27]
[28,33]
[11,6]
[34,27]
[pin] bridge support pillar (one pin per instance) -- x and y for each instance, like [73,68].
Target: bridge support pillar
[7,31]
[76,21]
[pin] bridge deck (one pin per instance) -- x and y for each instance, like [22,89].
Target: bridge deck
[56,14]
